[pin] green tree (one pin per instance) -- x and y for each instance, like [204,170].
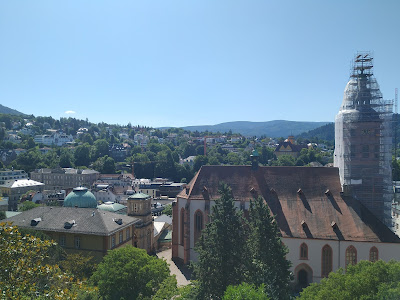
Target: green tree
[100,148]
[221,249]
[109,165]
[24,273]
[267,255]
[129,273]
[168,210]
[27,205]
[82,155]
[365,280]
[2,215]
[284,160]
[66,159]
[245,291]
[199,161]
[81,266]
[168,289]
[87,138]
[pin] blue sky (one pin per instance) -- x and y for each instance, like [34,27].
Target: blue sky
[177,63]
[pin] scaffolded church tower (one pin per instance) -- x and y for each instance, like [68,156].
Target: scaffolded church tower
[363,140]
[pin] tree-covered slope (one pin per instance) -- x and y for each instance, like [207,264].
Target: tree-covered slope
[7,110]
[276,128]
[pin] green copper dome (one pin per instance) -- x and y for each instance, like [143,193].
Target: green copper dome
[139,196]
[80,197]
[255,153]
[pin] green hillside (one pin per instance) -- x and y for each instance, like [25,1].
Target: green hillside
[276,128]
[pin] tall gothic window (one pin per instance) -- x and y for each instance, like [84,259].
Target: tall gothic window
[326,261]
[182,225]
[303,251]
[198,225]
[373,254]
[351,256]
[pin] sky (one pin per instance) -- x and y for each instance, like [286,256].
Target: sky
[180,63]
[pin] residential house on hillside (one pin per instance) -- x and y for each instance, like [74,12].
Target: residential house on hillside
[57,139]
[288,147]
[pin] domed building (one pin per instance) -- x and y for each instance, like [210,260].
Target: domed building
[80,197]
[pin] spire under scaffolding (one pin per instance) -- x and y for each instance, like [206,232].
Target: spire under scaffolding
[363,140]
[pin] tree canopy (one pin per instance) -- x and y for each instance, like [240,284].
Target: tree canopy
[24,273]
[221,249]
[267,264]
[365,280]
[129,273]
[232,251]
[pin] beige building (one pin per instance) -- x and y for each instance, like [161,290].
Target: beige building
[65,178]
[81,230]
[15,188]
[139,206]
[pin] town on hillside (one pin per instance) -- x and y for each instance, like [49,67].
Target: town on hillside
[263,215]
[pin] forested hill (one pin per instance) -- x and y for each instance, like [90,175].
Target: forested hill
[7,110]
[276,128]
[325,132]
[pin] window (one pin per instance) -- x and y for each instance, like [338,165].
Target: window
[351,256]
[303,251]
[62,240]
[113,241]
[326,261]
[373,254]
[128,233]
[121,236]
[77,242]
[198,225]
[182,225]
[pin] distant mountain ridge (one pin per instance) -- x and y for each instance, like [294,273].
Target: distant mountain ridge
[276,128]
[325,132]
[10,111]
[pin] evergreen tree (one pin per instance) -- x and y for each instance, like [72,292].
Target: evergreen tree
[267,262]
[221,249]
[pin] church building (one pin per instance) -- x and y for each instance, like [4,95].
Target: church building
[323,228]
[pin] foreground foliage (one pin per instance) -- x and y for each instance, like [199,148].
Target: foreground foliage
[245,291]
[23,273]
[365,280]
[130,273]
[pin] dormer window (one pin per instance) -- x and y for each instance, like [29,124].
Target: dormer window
[35,221]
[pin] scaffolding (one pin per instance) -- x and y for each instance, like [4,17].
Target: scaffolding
[363,140]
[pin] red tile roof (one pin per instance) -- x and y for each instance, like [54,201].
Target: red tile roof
[296,195]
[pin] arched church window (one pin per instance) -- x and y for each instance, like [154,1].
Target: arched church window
[351,256]
[373,254]
[182,223]
[303,251]
[326,261]
[198,225]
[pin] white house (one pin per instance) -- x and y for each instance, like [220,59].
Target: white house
[323,228]
[58,139]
